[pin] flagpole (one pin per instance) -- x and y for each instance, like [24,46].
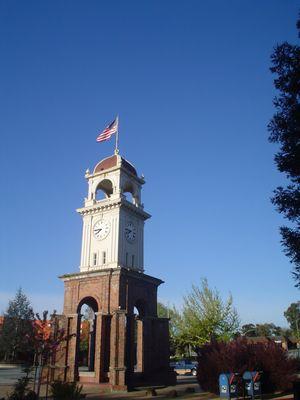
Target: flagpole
[117,137]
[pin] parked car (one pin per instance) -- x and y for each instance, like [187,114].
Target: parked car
[185,367]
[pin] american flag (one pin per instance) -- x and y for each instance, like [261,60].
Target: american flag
[109,130]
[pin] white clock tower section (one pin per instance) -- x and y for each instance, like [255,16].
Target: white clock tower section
[113,226]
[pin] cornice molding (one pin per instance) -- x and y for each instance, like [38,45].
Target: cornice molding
[88,274]
[106,205]
[113,271]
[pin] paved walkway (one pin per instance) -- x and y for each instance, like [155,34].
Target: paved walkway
[9,374]
[186,388]
[184,384]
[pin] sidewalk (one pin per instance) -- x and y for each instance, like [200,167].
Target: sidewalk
[93,392]
[186,388]
[184,385]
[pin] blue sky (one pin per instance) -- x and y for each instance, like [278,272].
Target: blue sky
[191,83]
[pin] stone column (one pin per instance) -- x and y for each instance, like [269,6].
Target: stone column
[117,353]
[139,345]
[72,348]
[150,342]
[100,347]
[92,347]
[130,349]
[97,354]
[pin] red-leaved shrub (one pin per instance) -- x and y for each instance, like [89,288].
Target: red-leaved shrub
[239,356]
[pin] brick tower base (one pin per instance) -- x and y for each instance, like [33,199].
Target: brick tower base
[127,350]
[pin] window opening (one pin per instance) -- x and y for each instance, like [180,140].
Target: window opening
[95,259]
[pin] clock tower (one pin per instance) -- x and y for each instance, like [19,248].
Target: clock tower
[113,217]
[128,345]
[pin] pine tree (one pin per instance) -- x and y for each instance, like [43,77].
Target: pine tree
[284,129]
[16,337]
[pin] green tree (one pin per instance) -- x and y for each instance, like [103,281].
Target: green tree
[162,310]
[249,330]
[266,329]
[284,129]
[292,315]
[16,339]
[206,316]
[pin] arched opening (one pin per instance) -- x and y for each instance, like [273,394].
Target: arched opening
[140,308]
[85,355]
[104,190]
[129,197]
[129,193]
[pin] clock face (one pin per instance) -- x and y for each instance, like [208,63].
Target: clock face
[130,232]
[101,229]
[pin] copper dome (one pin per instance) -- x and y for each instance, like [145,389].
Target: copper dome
[111,162]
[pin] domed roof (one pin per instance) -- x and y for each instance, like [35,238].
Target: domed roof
[111,162]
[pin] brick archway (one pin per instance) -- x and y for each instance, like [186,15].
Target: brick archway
[90,301]
[141,307]
[113,294]
[86,337]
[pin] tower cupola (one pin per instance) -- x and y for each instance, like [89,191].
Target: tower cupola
[113,217]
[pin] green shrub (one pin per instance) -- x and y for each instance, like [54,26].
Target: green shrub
[239,356]
[31,395]
[21,389]
[66,391]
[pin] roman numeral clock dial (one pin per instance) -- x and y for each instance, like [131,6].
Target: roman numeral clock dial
[130,232]
[101,229]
